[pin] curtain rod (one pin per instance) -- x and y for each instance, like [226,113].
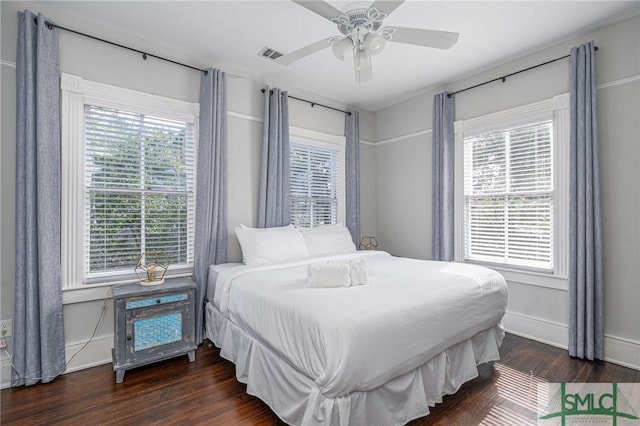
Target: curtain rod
[51,25]
[312,103]
[504,78]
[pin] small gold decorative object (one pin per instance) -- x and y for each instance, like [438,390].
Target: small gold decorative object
[151,267]
[368,243]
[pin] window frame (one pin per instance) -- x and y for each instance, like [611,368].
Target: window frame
[504,197]
[556,109]
[312,138]
[77,92]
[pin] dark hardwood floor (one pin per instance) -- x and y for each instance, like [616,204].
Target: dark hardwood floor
[206,392]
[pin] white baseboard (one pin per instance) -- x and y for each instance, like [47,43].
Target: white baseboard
[617,350]
[5,371]
[544,331]
[622,351]
[97,352]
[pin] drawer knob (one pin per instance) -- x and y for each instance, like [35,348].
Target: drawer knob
[128,337]
[158,301]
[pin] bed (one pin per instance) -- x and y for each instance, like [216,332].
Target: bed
[375,354]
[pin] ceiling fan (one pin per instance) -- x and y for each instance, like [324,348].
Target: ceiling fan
[362,32]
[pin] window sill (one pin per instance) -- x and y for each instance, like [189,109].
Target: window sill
[532,278]
[86,293]
[100,291]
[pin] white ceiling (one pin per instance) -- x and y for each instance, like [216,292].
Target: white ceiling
[229,35]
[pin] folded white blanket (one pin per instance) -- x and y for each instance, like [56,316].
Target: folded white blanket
[337,274]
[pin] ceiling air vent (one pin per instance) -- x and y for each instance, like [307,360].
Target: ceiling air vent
[270,53]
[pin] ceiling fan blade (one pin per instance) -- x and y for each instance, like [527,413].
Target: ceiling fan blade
[291,57]
[423,37]
[387,6]
[322,8]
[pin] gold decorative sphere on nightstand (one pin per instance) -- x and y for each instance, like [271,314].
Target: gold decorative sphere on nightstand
[368,243]
[151,267]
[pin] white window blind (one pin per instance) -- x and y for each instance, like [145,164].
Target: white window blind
[314,185]
[139,192]
[508,192]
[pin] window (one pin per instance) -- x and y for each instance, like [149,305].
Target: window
[508,194]
[314,185]
[511,191]
[127,182]
[317,178]
[138,189]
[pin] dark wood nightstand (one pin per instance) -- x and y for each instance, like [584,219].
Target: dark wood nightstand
[153,323]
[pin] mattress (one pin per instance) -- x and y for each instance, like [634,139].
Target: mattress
[351,340]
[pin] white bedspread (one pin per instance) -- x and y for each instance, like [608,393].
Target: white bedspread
[358,338]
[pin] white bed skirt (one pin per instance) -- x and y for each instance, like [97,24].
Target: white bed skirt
[295,398]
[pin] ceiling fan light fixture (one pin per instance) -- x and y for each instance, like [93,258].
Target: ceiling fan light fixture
[341,47]
[374,43]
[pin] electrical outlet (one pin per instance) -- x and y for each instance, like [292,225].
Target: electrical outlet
[6,328]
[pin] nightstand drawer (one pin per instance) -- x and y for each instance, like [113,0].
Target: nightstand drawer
[151,301]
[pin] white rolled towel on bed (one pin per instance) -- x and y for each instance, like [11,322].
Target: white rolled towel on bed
[358,272]
[329,274]
[337,274]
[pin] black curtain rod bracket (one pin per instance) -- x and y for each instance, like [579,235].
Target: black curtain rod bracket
[51,25]
[504,77]
[309,102]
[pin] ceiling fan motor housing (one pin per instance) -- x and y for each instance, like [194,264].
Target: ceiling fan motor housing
[358,19]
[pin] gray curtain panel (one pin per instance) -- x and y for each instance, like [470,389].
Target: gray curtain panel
[211,200]
[352,172]
[38,353]
[586,294]
[274,199]
[443,178]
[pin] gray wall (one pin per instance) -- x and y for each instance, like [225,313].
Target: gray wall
[7,186]
[403,170]
[99,62]
[395,171]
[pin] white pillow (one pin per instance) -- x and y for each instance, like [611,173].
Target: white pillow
[264,245]
[328,239]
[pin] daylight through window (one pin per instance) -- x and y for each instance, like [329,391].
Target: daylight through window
[508,196]
[139,192]
[314,185]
